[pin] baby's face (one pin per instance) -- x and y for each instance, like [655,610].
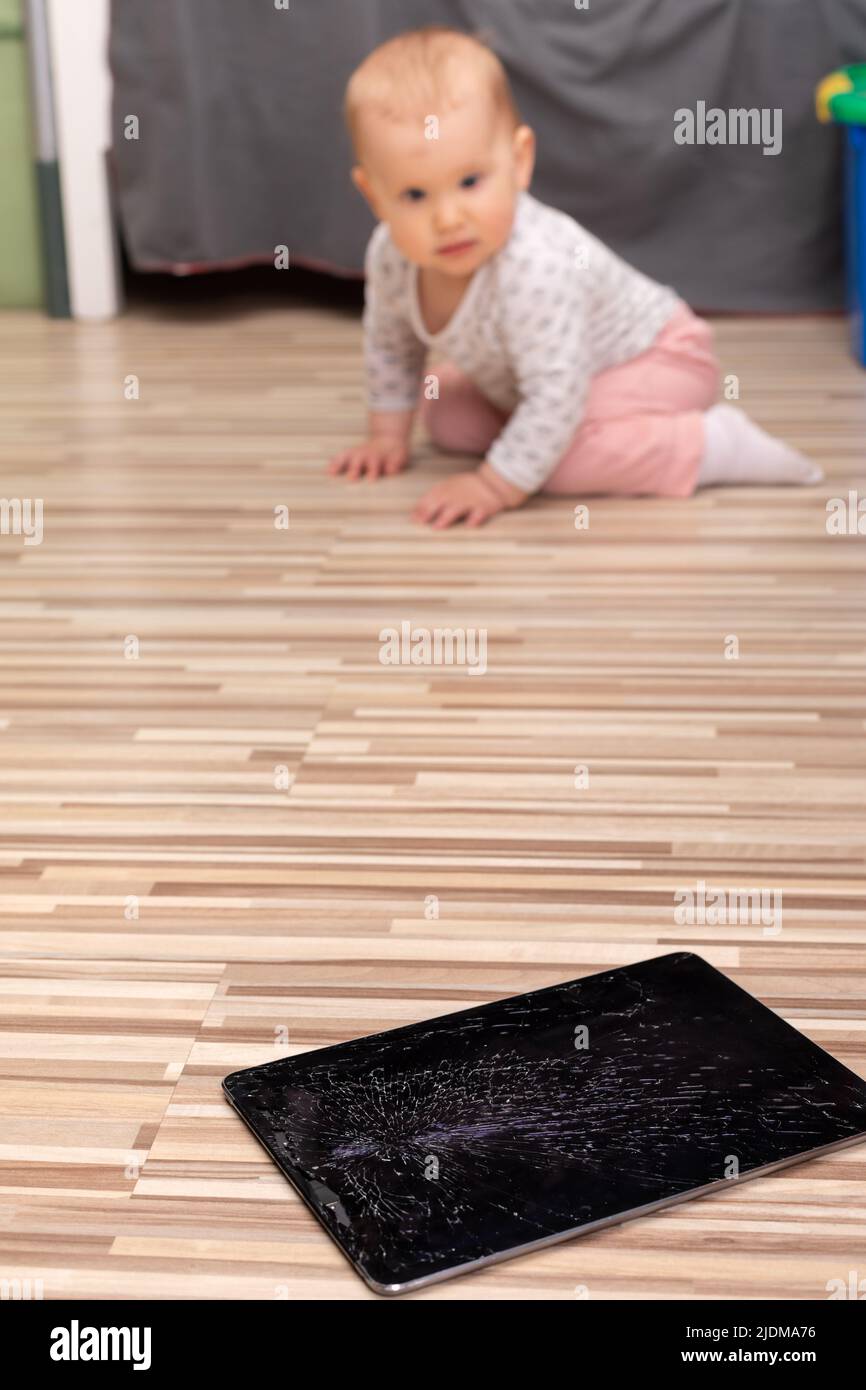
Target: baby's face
[450,200]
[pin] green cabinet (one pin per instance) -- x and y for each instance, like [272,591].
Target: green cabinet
[20,268]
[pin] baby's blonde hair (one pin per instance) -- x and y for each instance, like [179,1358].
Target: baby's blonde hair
[418,70]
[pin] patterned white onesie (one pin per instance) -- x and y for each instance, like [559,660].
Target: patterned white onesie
[537,322]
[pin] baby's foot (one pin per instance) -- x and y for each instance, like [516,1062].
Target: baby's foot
[737,451]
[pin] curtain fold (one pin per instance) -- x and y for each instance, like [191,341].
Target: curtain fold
[241,146]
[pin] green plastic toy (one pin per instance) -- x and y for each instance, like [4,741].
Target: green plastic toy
[842,96]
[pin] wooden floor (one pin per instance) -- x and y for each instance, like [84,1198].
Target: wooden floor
[280,911]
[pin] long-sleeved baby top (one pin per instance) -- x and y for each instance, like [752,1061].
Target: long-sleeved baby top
[537,322]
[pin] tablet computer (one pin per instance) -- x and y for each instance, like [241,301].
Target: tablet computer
[431,1150]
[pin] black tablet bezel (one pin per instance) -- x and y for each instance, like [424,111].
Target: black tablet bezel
[387,1280]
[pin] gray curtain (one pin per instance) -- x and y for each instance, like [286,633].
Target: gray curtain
[241,146]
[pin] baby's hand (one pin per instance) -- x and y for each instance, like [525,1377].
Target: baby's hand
[376,458]
[475,496]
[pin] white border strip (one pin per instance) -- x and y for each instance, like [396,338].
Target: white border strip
[82,104]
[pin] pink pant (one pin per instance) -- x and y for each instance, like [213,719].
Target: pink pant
[642,431]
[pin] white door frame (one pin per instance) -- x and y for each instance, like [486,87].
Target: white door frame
[82,109]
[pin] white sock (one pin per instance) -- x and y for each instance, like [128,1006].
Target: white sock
[737,451]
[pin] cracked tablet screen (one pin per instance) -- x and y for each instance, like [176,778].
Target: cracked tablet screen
[431,1147]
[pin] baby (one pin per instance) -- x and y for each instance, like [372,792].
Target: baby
[565,369]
